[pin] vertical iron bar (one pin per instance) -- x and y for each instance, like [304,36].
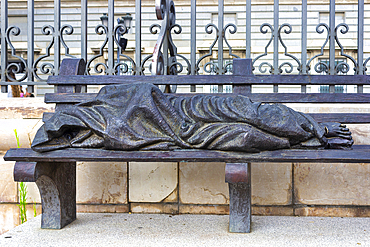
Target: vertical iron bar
[360,42]
[30,43]
[248,28]
[165,50]
[304,43]
[110,37]
[57,18]
[193,41]
[84,29]
[4,45]
[220,40]
[138,36]
[332,43]
[276,42]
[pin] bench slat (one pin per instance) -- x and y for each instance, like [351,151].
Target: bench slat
[212,79]
[359,154]
[346,98]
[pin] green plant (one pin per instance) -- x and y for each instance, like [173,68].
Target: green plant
[34,210]
[22,191]
[22,201]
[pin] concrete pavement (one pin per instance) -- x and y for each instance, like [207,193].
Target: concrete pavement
[106,229]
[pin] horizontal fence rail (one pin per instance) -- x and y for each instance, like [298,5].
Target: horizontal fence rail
[277,57]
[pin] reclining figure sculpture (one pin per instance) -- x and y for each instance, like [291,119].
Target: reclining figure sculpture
[140,117]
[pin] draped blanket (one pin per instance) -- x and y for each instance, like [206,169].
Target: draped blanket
[140,117]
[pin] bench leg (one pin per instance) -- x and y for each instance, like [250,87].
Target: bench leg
[238,177]
[57,186]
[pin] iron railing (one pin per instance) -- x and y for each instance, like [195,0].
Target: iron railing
[165,58]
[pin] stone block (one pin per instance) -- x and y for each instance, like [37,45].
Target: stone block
[333,211]
[8,188]
[152,182]
[9,217]
[33,193]
[26,130]
[22,108]
[31,209]
[154,208]
[360,133]
[332,184]
[102,182]
[276,211]
[271,183]
[203,183]
[91,208]
[204,209]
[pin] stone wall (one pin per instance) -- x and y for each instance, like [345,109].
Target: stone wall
[190,188]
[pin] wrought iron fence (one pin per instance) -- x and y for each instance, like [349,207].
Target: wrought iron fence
[165,58]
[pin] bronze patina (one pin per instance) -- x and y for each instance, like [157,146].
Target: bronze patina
[140,117]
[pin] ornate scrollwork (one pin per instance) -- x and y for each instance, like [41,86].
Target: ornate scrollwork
[66,29]
[211,67]
[320,66]
[45,68]
[365,64]
[287,31]
[263,70]
[209,29]
[165,10]
[287,28]
[119,30]
[264,28]
[99,67]
[343,67]
[232,31]
[14,68]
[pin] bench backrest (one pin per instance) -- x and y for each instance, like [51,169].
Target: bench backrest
[71,87]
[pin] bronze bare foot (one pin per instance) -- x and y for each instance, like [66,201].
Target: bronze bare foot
[333,129]
[337,135]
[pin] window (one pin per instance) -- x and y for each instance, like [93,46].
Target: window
[338,88]
[229,71]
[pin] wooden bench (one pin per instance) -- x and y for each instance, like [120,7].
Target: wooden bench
[55,172]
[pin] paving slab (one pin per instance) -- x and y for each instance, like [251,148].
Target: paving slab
[104,229]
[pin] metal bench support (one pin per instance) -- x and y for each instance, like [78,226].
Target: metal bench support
[238,175]
[57,186]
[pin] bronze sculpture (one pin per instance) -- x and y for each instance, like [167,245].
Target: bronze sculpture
[140,117]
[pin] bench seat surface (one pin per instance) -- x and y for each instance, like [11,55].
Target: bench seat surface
[358,154]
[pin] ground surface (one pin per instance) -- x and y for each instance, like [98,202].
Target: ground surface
[191,230]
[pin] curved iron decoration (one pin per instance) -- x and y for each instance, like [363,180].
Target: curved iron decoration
[264,31]
[210,67]
[153,29]
[45,30]
[209,29]
[343,67]
[119,30]
[365,64]
[320,66]
[231,31]
[165,10]
[67,29]
[173,64]
[99,30]
[14,68]
[290,70]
